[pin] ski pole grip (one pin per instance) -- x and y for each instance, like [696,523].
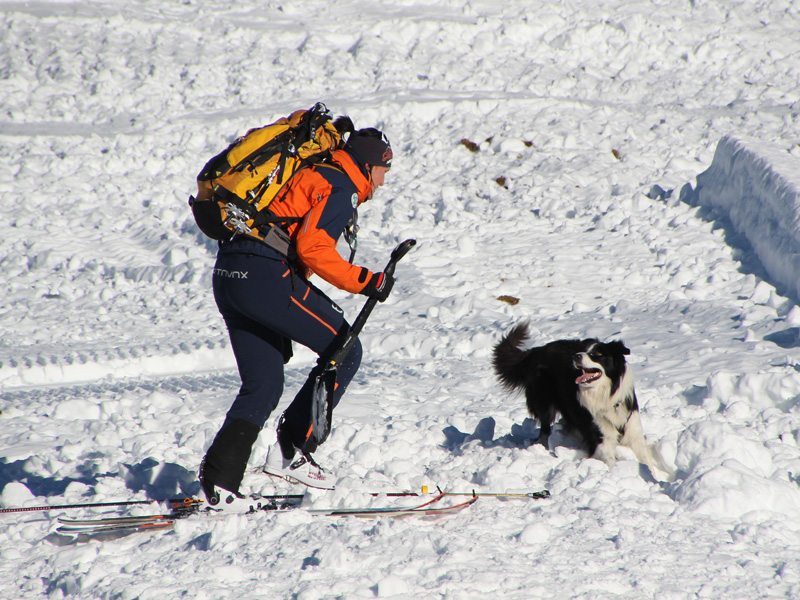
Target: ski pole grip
[399,252]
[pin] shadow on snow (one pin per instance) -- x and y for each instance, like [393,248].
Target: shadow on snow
[521,436]
[159,481]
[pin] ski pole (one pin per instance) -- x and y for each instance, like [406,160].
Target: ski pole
[540,495]
[325,382]
[536,495]
[338,356]
[66,506]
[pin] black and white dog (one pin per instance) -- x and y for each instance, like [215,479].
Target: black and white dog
[587,381]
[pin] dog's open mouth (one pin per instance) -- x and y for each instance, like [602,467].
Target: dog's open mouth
[588,376]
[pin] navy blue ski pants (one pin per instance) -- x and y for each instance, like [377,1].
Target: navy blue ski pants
[262,302]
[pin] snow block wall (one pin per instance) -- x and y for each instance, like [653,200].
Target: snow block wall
[758,186]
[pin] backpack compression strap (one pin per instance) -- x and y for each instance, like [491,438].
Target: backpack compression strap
[265,222]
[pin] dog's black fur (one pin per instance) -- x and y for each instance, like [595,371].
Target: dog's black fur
[587,381]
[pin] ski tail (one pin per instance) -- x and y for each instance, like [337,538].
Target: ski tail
[120,525]
[508,358]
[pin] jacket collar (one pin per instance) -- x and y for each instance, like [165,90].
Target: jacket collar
[355,171]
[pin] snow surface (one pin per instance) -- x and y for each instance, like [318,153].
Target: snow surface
[635,178]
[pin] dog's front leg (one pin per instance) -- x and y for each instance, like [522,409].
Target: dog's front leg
[604,445]
[606,451]
[544,435]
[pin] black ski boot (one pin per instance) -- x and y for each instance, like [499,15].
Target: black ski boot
[210,491]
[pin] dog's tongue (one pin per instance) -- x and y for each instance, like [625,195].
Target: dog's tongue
[583,377]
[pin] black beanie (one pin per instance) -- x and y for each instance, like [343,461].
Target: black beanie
[371,146]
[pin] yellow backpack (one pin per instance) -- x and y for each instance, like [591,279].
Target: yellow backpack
[236,188]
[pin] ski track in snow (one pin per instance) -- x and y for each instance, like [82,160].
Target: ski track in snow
[635,179]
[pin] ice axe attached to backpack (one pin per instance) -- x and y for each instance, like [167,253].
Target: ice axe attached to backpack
[325,383]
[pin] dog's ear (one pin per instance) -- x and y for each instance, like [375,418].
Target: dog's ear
[618,346]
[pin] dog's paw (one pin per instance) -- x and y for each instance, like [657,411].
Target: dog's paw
[607,453]
[669,472]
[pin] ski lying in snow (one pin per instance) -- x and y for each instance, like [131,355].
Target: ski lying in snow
[189,507]
[166,521]
[125,525]
[181,509]
[78,523]
[385,510]
[144,523]
[425,509]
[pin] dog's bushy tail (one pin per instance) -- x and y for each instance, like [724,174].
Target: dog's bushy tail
[508,358]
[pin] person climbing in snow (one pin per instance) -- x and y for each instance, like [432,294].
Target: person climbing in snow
[267,302]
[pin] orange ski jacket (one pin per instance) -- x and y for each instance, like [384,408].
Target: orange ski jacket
[326,196]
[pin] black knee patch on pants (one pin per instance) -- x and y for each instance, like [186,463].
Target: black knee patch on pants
[226,459]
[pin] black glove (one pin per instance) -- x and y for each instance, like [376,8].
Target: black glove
[378,286]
